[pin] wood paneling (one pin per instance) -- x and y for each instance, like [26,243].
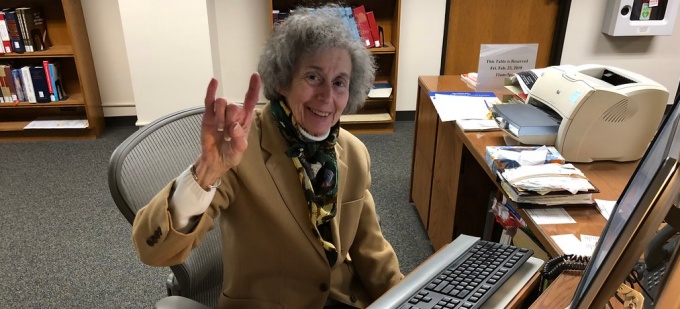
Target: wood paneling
[475,22]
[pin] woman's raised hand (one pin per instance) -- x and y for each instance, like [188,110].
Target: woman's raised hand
[224,132]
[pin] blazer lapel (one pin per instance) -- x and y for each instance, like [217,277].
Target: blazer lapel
[342,177]
[285,176]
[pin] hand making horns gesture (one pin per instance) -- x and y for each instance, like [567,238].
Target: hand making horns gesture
[224,132]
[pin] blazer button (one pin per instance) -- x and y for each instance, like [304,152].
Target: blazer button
[353,298]
[323,287]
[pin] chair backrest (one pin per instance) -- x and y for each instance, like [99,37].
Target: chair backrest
[141,166]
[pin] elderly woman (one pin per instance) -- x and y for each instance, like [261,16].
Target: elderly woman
[290,187]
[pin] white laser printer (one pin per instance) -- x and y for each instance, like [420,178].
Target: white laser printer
[588,112]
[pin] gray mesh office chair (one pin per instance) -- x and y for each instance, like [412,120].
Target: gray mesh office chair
[140,167]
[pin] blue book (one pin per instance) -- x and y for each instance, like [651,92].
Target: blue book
[351,23]
[52,79]
[40,87]
[19,85]
[16,38]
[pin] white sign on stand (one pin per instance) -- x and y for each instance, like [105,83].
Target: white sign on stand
[498,61]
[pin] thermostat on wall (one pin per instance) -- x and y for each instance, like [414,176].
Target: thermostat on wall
[640,17]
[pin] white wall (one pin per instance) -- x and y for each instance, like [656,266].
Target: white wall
[420,47]
[105,31]
[142,76]
[656,57]
[242,27]
[169,53]
[150,67]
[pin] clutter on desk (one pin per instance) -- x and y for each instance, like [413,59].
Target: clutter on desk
[570,244]
[605,207]
[470,110]
[506,215]
[556,215]
[525,79]
[589,112]
[504,157]
[527,123]
[470,79]
[547,184]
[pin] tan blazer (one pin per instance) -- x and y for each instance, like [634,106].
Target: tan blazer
[271,257]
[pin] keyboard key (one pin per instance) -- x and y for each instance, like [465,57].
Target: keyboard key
[463,293]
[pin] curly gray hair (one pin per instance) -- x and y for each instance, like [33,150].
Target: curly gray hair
[310,30]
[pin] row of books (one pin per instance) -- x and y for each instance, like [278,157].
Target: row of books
[23,29]
[31,83]
[361,23]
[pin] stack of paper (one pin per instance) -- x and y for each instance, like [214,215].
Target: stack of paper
[380,90]
[527,79]
[470,79]
[547,184]
[470,110]
[570,244]
[44,123]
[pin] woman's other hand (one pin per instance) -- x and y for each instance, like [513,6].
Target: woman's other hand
[224,132]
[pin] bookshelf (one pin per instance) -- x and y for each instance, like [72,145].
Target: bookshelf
[377,115]
[71,49]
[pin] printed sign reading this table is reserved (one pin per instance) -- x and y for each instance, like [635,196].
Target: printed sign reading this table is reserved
[498,61]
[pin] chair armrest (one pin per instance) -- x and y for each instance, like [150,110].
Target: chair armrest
[179,302]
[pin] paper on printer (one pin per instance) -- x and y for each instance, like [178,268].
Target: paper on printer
[600,113]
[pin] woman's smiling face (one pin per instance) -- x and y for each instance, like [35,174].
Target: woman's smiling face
[319,90]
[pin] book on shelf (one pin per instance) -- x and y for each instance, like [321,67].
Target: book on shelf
[58,87]
[374,29]
[7,75]
[15,37]
[5,92]
[26,30]
[40,39]
[19,85]
[351,22]
[40,86]
[4,35]
[31,83]
[361,19]
[28,84]
[48,76]
[25,17]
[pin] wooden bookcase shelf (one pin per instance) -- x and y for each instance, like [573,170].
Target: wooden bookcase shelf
[71,49]
[377,115]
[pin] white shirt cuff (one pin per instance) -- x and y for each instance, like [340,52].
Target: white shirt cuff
[188,200]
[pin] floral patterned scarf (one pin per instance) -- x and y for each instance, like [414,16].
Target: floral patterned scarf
[317,168]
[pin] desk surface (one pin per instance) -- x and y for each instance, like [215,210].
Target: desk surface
[609,177]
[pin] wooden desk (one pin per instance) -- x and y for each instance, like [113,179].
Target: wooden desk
[451,184]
